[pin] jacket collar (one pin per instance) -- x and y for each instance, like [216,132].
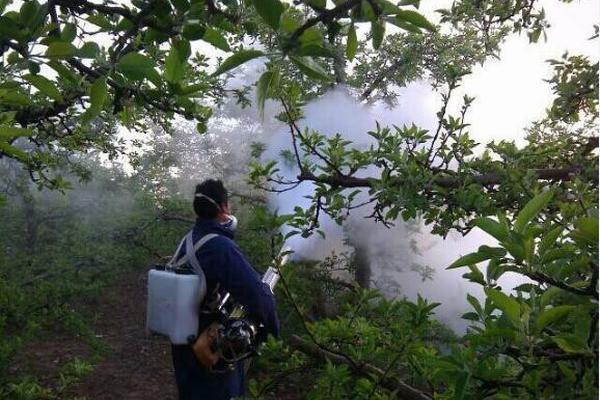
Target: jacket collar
[212,226]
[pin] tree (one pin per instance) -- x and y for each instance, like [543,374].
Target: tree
[73,68]
[539,201]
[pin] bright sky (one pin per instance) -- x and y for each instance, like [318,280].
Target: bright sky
[511,92]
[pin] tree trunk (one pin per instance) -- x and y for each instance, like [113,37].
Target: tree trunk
[362,273]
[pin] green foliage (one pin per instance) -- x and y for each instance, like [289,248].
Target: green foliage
[539,201]
[575,84]
[535,341]
[56,252]
[133,64]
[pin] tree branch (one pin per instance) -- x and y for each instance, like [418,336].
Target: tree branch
[561,174]
[404,390]
[325,17]
[543,278]
[380,77]
[441,114]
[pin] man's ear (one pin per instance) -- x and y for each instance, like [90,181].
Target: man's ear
[224,208]
[223,211]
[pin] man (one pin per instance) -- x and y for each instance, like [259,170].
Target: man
[226,269]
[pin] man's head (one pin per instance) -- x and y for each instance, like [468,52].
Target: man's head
[210,200]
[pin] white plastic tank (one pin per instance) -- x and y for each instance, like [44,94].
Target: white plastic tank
[173,304]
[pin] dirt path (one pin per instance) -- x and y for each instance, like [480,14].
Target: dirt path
[137,366]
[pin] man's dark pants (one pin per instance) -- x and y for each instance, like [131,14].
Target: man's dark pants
[194,382]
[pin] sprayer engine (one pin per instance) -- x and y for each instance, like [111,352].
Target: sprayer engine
[238,336]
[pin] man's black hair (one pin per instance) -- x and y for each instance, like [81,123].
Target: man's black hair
[214,189]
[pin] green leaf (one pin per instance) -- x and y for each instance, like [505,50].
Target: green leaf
[488,225]
[516,249]
[531,210]
[534,35]
[135,66]
[311,68]
[567,372]
[493,252]
[68,33]
[549,239]
[14,98]
[311,36]
[201,127]
[174,66]
[33,67]
[475,275]
[552,315]
[88,50]
[10,132]
[509,306]
[471,258]
[100,20]
[65,72]
[471,316]
[475,303]
[317,3]
[29,12]
[549,296]
[352,43]
[289,21]
[238,59]
[270,11]
[586,230]
[193,31]
[366,12]
[98,95]
[266,83]
[60,50]
[10,28]
[527,287]
[377,33]
[556,254]
[494,270]
[215,38]
[570,343]
[416,19]
[45,86]
[124,25]
[3,4]
[461,385]
[387,7]
[154,77]
[181,5]
[400,23]
[184,49]
[13,152]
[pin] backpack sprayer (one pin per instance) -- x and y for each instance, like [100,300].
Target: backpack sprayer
[237,336]
[175,296]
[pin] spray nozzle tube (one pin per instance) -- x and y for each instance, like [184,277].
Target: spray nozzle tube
[271,277]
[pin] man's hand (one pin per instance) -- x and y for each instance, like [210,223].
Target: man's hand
[203,347]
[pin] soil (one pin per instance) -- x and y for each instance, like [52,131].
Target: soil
[138,365]
[134,365]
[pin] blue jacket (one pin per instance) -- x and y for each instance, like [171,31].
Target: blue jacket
[222,262]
